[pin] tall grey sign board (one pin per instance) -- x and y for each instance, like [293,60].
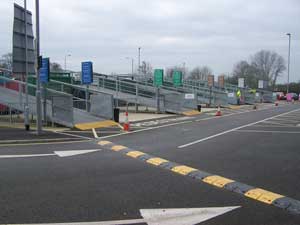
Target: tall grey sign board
[19,41]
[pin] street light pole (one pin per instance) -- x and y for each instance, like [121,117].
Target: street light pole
[26,119]
[37,71]
[289,61]
[66,61]
[132,65]
[139,69]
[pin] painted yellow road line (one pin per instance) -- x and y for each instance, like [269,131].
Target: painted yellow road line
[263,195]
[156,161]
[118,148]
[235,107]
[217,181]
[103,143]
[135,154]
[183,170]
[191,113]
[94,125]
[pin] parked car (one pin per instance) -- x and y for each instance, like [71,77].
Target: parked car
[295,96]
[281,96]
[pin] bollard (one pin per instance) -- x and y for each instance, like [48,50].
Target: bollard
[126,126]
[219,113]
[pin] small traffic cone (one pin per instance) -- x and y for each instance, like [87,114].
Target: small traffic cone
[219,113]
[126,126]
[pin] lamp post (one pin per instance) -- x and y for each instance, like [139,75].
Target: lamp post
[68,55]
[132,65]
[289,59]
[37,70]
[26,111]
[139,69]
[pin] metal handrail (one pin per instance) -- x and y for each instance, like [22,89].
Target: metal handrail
[32,85]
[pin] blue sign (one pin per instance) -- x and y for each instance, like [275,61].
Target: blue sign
[86,72]
[45,70]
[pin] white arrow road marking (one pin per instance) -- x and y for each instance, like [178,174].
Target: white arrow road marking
[75,152]
[57,153]
[165,217]
[183,216]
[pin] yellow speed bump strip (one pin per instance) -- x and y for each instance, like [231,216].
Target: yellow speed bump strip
[118,148]
[183,170]
[217,181]
[263,195]
[94,125]
[290,205]
[157,161]
[191,113]
[135,154]
[103,143]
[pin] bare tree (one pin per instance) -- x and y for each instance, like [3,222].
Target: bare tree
[200,73]
[244,70]
[170,71]
[55,67]
[6,61]
[147,69]
[269,65]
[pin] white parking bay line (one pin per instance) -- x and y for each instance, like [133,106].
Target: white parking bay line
[234,129]
[268,131]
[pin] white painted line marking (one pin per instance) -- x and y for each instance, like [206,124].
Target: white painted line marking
[268,131]
[234,129]
[165,217]
[24,156]
[270,126]
[174,124]
[47,143]
[74,135]
[275,123]
[95,133]
[56,153]
[285,120]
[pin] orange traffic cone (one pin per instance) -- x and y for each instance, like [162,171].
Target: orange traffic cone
[126,126]
[219,113]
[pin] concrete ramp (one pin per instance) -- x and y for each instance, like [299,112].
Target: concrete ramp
[59,107]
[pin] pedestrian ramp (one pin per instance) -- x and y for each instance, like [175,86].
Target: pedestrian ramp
[57,107]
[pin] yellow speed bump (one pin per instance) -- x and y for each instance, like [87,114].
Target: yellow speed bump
[183,170]
[118,148]
[94,125]
[157,161]
[135,154]
[103,143]
[191,113]
[217,181]
[263,195]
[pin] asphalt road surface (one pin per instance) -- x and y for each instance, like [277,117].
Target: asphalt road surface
[112,178]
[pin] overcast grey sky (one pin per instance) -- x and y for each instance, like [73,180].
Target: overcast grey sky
[217,33]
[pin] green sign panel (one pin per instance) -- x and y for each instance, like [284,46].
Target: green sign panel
[177,78]
[158,77]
